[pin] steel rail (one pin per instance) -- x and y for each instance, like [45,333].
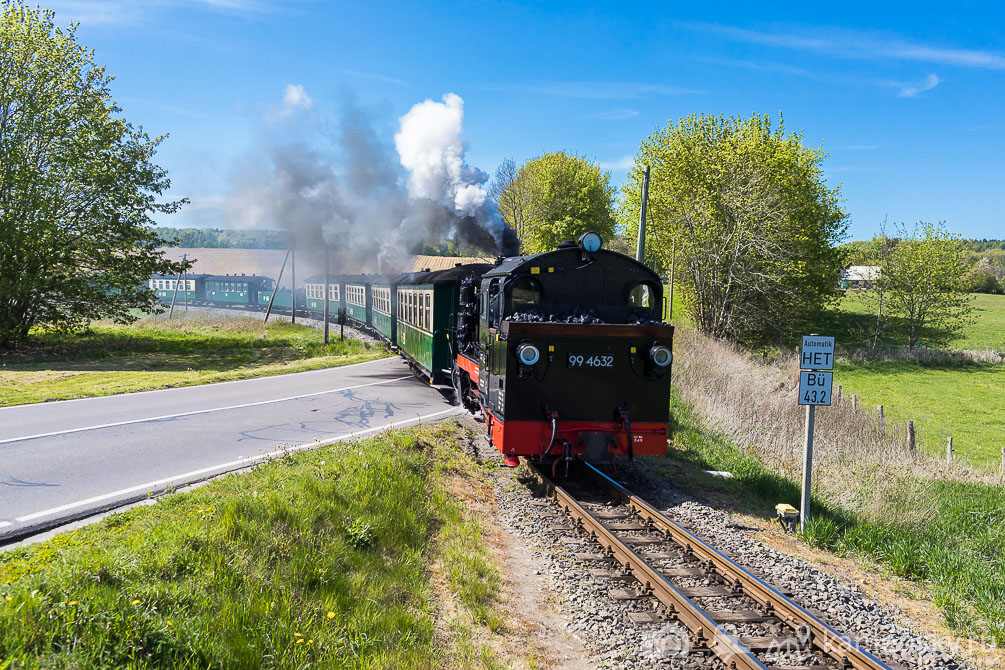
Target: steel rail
[704,629]
[836,645]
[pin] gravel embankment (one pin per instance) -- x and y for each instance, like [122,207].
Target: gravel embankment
[602,622]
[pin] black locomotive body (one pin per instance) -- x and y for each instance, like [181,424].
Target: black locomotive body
[565,353]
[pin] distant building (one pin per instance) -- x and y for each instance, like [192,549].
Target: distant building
[859,276]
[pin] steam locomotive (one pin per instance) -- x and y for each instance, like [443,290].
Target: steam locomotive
[564,354]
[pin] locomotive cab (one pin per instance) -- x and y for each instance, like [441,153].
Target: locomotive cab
[573,358]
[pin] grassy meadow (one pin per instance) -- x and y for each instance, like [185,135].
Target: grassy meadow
[941,525]
[853,321]
[319,559]
[156,352]
[943,399]
[966,402]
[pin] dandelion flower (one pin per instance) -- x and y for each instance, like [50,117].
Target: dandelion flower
[7,599]
[169,622]
[71,603]
[299,641]
[309,641]
[297,635]
[331,615]
[136,602]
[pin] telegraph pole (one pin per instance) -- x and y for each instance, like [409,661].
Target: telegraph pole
[293,286]
[177,281]
[326,295]
[275,289]
[640,251]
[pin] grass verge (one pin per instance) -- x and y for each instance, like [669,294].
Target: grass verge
[320,558]
[156,352]
[957,553]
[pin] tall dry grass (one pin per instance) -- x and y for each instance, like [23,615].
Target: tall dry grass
[754,404]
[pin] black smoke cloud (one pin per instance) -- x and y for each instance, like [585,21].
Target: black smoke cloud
[372,205]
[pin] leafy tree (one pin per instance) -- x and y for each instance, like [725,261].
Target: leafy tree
[922,281]
[77,186]
[556,197]
[755,228]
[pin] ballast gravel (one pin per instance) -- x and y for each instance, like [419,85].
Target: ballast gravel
[602,623]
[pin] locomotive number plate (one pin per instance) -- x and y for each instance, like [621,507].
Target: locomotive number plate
[591,360]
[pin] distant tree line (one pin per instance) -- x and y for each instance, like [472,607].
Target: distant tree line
[218,238]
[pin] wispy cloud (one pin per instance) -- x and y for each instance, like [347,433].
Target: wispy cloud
[622,163]
[132,12]
[606,90]
[760,66]
[903,89]
[375,77]
[913,89]
[859,44]
[619,114]
[179,111]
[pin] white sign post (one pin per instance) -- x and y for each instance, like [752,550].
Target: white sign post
[816,360]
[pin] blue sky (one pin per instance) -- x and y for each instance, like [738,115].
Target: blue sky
[907,98]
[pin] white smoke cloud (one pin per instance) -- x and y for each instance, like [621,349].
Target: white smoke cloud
[431,147]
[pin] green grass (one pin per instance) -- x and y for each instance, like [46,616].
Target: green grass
[966,402]
[319,559]
[854,319]
[958,554]
[157,353]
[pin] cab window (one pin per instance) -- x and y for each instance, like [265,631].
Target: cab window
[493,300]
[525,291]
[643,295]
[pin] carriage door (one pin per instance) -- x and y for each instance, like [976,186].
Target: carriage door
[489,293]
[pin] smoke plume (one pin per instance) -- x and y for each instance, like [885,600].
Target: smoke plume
[371,205]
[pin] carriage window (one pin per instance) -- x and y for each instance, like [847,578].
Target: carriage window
[429,321]
[525,291]
[643,294]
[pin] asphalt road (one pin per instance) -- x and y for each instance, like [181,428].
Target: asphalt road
[62,461]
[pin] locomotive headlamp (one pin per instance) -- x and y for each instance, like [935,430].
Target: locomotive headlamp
[590,242]
[528,354]
[660,356]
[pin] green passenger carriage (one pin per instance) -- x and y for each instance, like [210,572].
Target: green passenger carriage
[356,290]
[383,309]
[236,289]
[314,289]
[427,304]
[191,289]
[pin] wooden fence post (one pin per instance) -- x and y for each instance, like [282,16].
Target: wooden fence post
[881,420]
[839,393]
[949,451]
[910,438]
[854,403]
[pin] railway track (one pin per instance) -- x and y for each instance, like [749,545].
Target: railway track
[730,613]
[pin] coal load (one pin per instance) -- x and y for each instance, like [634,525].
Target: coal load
[586,315]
